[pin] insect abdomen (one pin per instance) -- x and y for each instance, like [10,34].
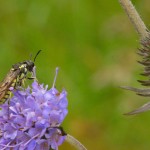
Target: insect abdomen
[6,96]
[7,93]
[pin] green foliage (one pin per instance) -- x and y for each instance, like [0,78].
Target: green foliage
[94,45]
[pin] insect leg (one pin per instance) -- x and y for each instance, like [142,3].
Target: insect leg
[31,78]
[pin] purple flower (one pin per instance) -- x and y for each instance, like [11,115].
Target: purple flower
[33,118]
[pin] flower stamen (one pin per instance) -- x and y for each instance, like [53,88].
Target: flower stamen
[56,73]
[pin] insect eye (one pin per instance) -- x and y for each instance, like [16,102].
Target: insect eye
[30,66]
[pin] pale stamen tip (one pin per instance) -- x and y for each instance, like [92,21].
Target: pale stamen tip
[56,73]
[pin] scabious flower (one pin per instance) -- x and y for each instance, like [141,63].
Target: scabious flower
[32,120]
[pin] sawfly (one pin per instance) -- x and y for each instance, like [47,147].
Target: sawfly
[15,77]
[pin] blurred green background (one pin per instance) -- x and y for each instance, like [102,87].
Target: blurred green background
[95,46]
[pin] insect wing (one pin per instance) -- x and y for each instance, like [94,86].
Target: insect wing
[6,83]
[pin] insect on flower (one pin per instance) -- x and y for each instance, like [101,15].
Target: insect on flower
[15,77]
[34,119]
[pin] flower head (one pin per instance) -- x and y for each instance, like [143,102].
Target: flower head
[144,52]
[32,119]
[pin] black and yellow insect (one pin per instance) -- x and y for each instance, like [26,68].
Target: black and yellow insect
[15,77]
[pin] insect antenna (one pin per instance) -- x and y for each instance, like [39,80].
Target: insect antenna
[36,55]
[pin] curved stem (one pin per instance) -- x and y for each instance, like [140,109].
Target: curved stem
[73,141]
[135,18]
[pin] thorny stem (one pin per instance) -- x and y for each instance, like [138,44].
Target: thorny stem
[135,18]
[70,139]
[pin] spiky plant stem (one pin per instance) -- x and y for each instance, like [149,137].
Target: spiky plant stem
[144,52]
[144,35]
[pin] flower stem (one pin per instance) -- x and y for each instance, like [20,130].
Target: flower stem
[135,18]
[73,141]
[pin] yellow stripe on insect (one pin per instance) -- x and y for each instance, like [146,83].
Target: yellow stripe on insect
[25,70]
[13,83]
[17,80]
[23,82]
[22,76]
[2,101]
[8,93]
[22,66]
[5,96]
